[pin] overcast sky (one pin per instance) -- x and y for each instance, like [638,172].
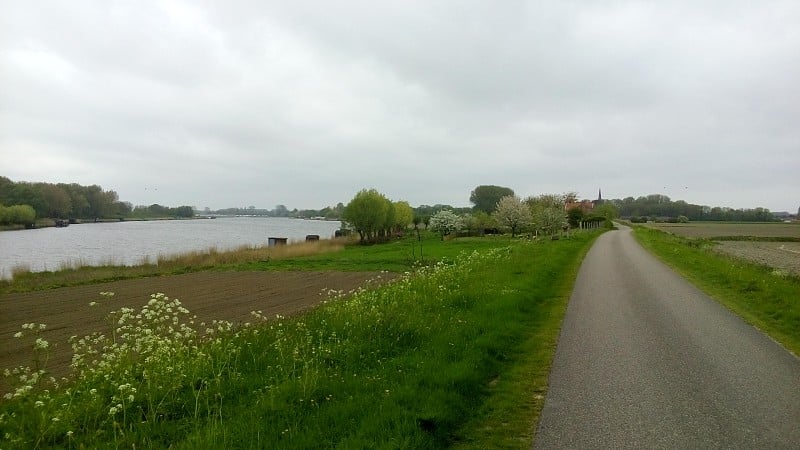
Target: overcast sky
[303,103]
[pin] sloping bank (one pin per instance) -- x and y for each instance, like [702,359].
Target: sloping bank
[452,355]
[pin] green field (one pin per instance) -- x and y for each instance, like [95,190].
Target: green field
[454,354]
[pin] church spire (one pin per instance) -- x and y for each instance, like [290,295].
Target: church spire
[599,195]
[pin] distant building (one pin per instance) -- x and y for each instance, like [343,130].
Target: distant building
[587,206]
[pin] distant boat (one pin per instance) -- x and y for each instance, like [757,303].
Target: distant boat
[61,223]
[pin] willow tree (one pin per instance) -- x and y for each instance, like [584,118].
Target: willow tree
[368,213]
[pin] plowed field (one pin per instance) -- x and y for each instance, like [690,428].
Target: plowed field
[209,295]
[779,255]
[711,230]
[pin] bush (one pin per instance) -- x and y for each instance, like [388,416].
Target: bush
[17,215]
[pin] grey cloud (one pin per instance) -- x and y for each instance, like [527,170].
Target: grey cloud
[304,103]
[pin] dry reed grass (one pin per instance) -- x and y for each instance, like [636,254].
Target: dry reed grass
[245,254]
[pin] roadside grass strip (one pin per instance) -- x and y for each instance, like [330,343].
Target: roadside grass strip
[452,354]
[766,297]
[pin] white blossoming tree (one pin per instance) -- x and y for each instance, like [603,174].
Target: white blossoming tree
[549,220]
[513,214]
[444,222]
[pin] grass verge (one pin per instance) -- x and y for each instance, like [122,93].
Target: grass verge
[766,298]
[453,354]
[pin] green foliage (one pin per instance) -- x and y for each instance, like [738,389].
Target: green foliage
[479,221]
[574,217]
[157,211]
[74,201]
[485,197]
[61,200]
[661,206]
[403,215]
[763,296]
[17,215]
[545,201]
[368,213]
[427,361]
[606,210]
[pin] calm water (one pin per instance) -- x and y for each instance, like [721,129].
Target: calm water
[131,243]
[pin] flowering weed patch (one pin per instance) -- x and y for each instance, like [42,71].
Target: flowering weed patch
[411,364]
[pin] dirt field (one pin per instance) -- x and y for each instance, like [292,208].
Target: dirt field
[209,295]
[780,255]
[712,229]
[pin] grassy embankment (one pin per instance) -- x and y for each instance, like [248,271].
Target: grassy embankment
[455,354]
[767,298]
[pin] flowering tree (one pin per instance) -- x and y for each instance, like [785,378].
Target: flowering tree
[512,213]
[444,222]
[550,219]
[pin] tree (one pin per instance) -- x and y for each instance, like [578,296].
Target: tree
[403,215]
[444,222]
[485,197]
[549,200]
[17,215]
[367,213]
[548,219]
[513,214]
[574,217]
[606,210]
[59,205]
[280,211]
[478,222]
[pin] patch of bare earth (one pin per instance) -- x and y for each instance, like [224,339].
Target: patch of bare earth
[211,296]
[779,255]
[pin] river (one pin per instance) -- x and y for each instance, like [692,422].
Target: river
[131,243]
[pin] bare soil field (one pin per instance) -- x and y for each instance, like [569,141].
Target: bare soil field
[211,296]
[709,230]
[779,255]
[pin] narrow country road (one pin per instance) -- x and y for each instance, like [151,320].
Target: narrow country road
[645,360]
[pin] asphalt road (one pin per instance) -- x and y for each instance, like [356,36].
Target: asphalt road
[645,360]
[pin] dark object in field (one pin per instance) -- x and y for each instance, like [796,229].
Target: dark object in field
[275,241]
[312,237]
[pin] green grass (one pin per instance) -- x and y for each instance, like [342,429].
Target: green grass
[768,299]
[395,256]
[454,355]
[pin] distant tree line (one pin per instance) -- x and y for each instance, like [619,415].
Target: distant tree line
[661,207]
[328,213]
[71,201]
[157,211]
[374,217]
